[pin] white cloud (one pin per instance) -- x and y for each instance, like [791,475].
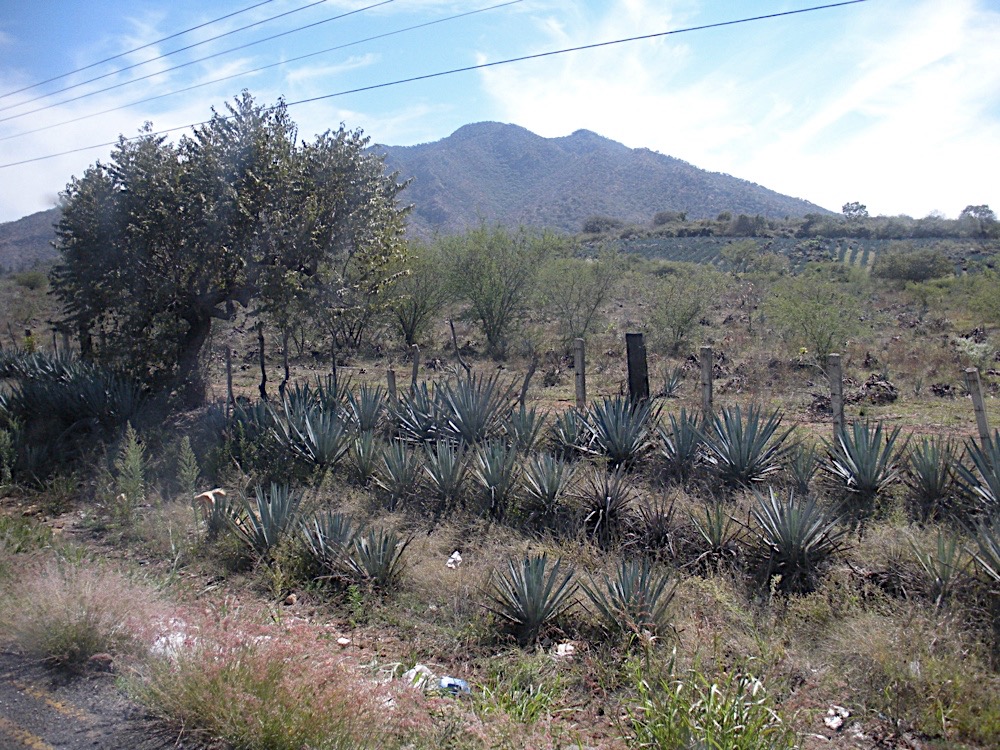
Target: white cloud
[893,111]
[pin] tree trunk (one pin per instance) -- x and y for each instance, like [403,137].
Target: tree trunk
[191,384]
[263,363]
[284,360]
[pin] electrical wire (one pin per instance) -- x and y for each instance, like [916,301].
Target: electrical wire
[453,71]
[136,49]
[259,69]
[168,54]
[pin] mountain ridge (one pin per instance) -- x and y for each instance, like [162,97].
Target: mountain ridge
[498,172]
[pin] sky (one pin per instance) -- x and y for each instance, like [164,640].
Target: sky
[892,103]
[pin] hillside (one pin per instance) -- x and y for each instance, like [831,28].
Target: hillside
[28,241]
[505,173]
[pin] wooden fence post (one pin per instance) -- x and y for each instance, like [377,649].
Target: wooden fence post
[835,373]
[975,387]
[707,368]
[638,373]
[415,351]
[390,380]
[230,401]
[580,365]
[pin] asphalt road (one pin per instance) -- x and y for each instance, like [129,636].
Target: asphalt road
[45,710]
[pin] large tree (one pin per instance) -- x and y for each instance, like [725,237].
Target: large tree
[167,238]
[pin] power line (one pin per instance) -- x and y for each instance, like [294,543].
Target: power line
[259,69]
[452,71]
[159,57]
[136,49]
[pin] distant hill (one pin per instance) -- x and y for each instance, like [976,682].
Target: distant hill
[505,173]
[26,242]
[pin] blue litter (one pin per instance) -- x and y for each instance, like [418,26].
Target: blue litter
[454,685]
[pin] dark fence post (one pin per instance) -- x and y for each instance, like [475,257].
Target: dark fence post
[638,374]
[580,365]
[975,387]
[707,368]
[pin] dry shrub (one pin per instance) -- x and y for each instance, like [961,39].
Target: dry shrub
[65,613]
[278,687]
[712,618]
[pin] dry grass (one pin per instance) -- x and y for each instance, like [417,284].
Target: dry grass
[65,612]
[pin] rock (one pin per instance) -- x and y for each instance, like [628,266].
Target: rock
[290,600]
[101,662]
[343,642]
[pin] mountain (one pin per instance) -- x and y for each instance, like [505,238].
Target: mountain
[28,241]
[504,173]
[496,172]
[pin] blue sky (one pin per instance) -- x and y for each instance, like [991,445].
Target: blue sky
[894,103]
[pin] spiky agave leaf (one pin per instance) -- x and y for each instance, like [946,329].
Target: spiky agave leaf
[983,482]
[745,450]
[863,461]
[531,594]
[367,407]
[376,558]
[569,435]
[930,474]
[498,472]
[445,466]
[803,464]
[264,520]
[636,600]
[797,535]
[418,415]
[523,427]
[681,444]
[621,428]
[397,473]
[315,435]
[943,566]
[546,481]
[365,452]
[474,407]
[329,536]
[987,554]
[607,506]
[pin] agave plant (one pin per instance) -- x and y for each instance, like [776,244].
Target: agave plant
[397,474]
[418,415]
[717,530]
[672,380]
[929,475]
[523,426]
[546,481]
[531,594]
[367,407]
[943,566]
[983,482]
[745,450]
[621,429]
[365,453]
[681,444]
[317,436]
[474,407]
[445,466]
[636,600]
[863,463]
[262,522]
[497,472]
[569,434]
[658,532]
[607,506]
[329,536]
[797,535]
[803,463]
[987,554]
[376,558]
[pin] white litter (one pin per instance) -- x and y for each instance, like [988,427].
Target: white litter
[418,677]
[565,650]
[455,560]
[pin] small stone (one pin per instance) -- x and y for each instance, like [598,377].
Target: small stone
[343,642]
[290,600]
